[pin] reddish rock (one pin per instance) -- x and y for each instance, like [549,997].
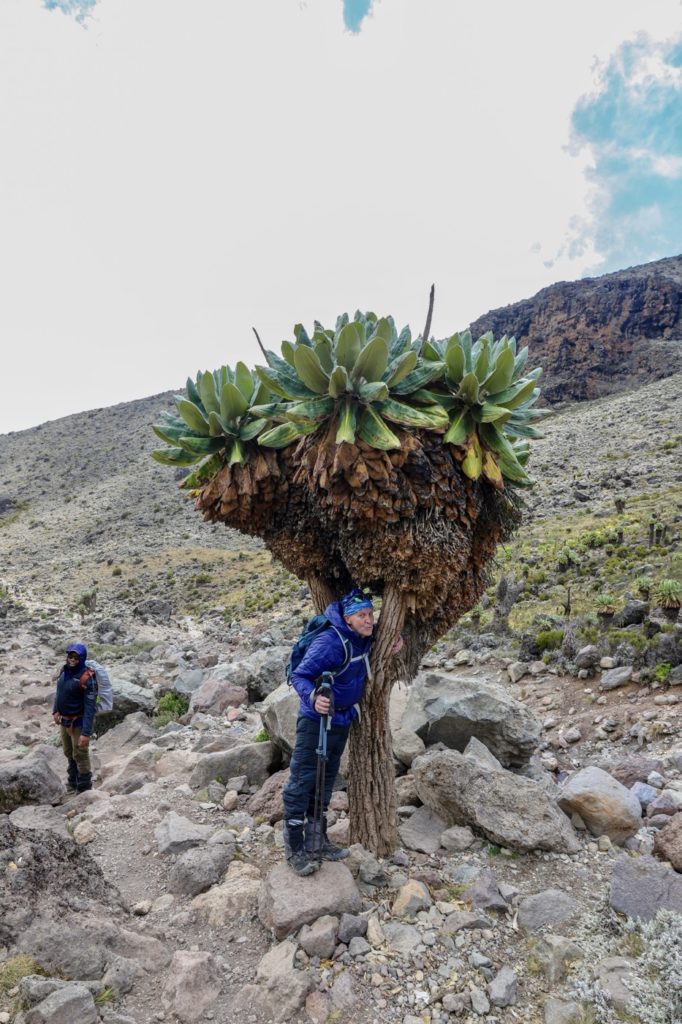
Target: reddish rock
[668,842]
[215,695]
[634,769]
[667,802]
[339,801]
[267,804]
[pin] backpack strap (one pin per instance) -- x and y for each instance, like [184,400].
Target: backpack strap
[348,656]
[85,678]
[347,653]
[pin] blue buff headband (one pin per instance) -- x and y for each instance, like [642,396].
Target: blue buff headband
[354,602]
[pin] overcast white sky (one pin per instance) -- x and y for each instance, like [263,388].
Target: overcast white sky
[173,173]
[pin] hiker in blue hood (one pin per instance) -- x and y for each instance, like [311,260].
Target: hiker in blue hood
[342,650]
[73,709]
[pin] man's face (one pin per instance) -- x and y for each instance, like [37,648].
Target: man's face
[362,622]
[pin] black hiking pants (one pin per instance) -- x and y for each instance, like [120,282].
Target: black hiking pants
[299,793]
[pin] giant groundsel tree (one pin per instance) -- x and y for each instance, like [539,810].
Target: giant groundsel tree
[362,457]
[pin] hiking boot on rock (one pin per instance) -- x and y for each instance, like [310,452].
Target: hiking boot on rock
[72,777]
[294,847]
[330,851]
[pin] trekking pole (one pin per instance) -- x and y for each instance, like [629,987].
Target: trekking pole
[325,690]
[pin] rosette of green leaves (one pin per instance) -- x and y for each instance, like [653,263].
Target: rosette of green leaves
[488,394]
[358,377]
[214,422]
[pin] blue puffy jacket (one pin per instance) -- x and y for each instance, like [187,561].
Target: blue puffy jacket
[327,654]
[76,697]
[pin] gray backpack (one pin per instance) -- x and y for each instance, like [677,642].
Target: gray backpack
[103,687]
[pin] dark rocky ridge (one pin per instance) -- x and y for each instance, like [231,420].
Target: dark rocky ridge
[600,335]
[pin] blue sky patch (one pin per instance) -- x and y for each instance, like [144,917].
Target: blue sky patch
[355,12]
[632,125]
[79,9]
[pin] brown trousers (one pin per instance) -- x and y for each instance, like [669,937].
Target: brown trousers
[75,753]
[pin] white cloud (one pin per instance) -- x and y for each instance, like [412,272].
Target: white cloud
[667,166]
[630,124]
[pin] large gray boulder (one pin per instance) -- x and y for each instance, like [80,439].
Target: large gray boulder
[198,869]
[606,807]
[509,810]
[449,709]
[188,680]
[92,943]
[134,731]
[261,673]
[255,760]
[128,698]
[279,713]
[28,780]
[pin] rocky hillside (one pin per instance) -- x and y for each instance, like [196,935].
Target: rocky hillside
[600,335]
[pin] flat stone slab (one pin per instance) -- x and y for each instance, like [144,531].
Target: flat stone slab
[422,831]
[615,677]
[286,901]
[40,816]
[641,886]
[552,907]
[175,834]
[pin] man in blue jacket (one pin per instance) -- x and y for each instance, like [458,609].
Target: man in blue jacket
[342,649]
[75,703]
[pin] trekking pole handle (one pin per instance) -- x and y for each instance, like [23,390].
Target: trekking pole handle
[325,689]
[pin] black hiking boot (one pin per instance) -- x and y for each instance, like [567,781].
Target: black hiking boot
[72,777]
[84,782]
[297,856]
[330,851]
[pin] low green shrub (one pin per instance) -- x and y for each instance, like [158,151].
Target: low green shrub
[16,968]
[169,708]
[549,640]
[637,641]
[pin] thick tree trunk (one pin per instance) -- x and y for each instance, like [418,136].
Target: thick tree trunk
[321,593]
[371,783]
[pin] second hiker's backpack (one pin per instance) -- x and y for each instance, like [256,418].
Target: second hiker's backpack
[103,687]
[315,626]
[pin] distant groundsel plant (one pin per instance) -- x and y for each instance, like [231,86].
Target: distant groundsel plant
[364,457]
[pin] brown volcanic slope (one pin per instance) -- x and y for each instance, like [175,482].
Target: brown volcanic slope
[602,334]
